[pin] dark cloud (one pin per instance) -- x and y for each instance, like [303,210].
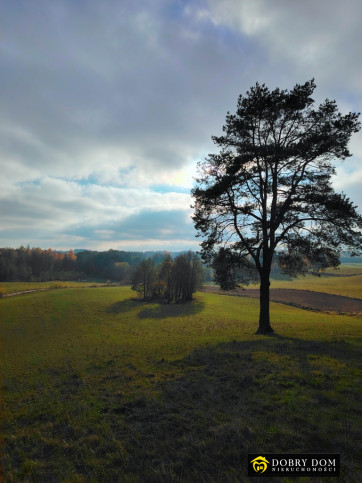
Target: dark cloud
[116,75]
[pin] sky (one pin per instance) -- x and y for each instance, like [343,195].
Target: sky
[107,106]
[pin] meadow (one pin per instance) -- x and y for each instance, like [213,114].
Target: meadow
[100,386]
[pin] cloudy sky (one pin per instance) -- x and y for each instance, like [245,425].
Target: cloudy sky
[106,106]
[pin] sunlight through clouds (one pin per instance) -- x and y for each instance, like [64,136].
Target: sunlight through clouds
[107,107]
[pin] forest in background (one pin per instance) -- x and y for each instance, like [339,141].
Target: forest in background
[34,264]
[27,264]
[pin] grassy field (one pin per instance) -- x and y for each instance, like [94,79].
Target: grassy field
[349,286]
[346,281]
[346,269]
[99,386]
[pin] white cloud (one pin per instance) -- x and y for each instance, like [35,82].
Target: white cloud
[58,206]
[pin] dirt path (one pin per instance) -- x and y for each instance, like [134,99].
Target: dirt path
[304,299]
[24,291]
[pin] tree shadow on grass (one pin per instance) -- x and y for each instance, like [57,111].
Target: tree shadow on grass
[157,310]
[164,310]
[273,395]
[124,306]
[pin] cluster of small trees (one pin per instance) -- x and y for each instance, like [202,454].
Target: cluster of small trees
[174,280]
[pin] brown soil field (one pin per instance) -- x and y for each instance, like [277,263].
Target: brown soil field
[304,299]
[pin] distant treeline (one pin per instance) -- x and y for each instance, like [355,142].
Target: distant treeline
[347,259]
[35,264]
[27,264]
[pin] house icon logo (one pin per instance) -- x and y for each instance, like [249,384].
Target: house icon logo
[260,464]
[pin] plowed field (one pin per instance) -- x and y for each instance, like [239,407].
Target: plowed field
[304,299]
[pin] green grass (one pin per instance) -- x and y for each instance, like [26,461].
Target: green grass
[99,386]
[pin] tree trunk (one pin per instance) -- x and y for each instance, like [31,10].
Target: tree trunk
[264,316]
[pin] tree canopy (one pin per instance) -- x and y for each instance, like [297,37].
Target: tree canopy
[268,191]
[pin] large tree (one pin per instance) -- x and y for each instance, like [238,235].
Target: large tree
[269,189]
